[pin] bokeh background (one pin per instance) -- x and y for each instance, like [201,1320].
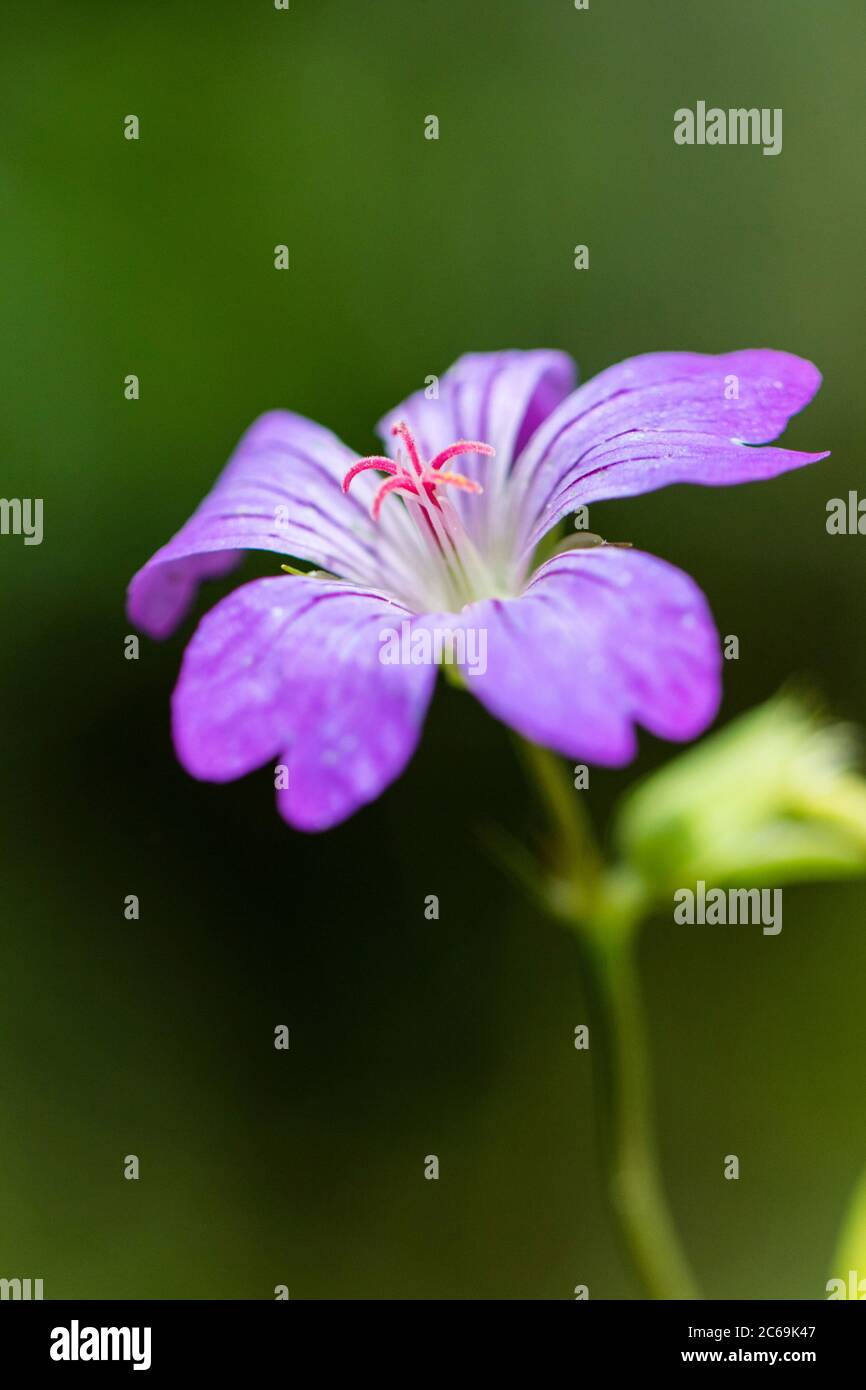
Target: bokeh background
[407,1037]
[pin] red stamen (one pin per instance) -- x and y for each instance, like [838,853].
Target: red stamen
[426,478]
[402,431]
[391,485]
[463,446]
[374,461]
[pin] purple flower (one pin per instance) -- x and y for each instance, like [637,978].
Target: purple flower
[304,671]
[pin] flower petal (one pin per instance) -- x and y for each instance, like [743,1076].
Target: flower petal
[289,669]
[497,398]
[669,417]
[601,640]
[281,492]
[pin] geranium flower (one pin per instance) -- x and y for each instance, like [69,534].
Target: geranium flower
[291,669]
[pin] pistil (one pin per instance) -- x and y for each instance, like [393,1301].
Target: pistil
[445,537]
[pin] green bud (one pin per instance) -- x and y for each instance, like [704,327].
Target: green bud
[771,797]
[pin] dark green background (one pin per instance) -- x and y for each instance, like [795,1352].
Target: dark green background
[408,1037]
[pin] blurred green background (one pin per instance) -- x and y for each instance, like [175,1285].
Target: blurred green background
[407,1037]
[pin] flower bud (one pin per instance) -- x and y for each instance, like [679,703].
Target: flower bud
[772,796]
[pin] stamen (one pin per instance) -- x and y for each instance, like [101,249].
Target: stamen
[457,565]
[374,461]
[427,476]
[463,446]
[402,431]
[390,485]
[467,484]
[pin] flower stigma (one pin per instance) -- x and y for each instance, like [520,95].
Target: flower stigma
[455,573]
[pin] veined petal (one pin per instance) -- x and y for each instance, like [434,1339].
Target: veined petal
[497,398]
[281,491]
[602,640]
[670,417]
[289,669]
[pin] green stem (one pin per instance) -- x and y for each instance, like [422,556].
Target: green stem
[577,861]
[633,1173]
[603,908]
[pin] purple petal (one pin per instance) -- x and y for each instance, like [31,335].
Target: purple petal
[497,398]
[670,417]
[600,641]
[288,669]
[280,491]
